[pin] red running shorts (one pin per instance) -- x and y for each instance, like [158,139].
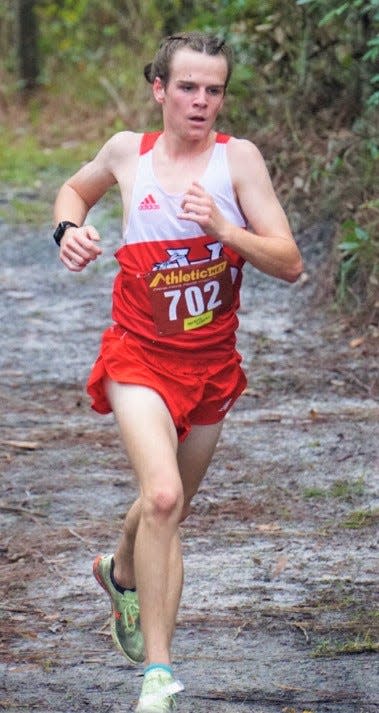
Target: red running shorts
[197,391]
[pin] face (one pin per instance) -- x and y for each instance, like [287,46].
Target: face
[194,93]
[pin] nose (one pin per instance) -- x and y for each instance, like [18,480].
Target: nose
[201,97]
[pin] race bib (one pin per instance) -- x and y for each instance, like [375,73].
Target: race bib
[186,298]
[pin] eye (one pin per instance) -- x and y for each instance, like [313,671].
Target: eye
[215,91]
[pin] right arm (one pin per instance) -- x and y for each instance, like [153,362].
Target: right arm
[75,198]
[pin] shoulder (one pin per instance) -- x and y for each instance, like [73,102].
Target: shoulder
[123,145]
[113,160]
[246,162]
[243,149]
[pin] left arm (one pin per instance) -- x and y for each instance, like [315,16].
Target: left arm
[269,244]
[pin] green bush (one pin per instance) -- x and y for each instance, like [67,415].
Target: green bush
[305,86]
[358,277]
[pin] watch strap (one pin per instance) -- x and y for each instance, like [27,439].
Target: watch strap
[61,228]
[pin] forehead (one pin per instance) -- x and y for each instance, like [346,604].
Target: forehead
[199,67]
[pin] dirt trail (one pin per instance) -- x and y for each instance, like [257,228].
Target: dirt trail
[278,611]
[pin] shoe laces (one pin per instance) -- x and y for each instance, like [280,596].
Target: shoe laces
[129,610]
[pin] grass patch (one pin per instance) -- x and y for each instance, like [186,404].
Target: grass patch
[32,173]
[347,488]
[25,162]
[340,488]
[360,645]
[32,211]
[336,598]
[317,493]
[361,518]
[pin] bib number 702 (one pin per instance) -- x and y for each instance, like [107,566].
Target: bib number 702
[197,299]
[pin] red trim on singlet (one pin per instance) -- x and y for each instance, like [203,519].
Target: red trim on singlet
[222,138]
[148,140]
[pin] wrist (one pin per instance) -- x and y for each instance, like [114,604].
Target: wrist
[61,229]
[226,235]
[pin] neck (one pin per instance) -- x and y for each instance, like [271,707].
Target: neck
[178,147]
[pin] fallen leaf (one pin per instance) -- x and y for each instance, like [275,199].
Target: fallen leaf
[354,343]
[314,414]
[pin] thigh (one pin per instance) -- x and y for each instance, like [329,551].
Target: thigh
[148,432]
[195,455]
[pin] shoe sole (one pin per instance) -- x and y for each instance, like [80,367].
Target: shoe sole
[99,579]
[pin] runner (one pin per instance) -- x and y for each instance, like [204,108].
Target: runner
[197,205]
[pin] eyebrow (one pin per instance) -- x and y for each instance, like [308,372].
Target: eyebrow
[209,86]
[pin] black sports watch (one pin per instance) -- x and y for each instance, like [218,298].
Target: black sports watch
[61,228]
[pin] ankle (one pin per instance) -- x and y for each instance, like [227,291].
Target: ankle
[120,580]
[158,666]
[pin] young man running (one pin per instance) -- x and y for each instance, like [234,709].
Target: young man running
[197,205]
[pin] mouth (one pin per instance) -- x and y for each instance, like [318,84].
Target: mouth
[197,119]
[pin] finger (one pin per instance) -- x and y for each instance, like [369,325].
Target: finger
[94,238]
[75,253]
[92,233]
[192,204]
[195,191]
[86,235]
[194,217]
[194,207]
[186,216]
[197,188]
[80,246]
[193,194]
[93,251]
[90,244]
[73,265]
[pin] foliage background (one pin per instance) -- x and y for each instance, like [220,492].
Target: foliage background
[305,89]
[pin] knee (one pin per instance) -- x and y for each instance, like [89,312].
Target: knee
[162,504]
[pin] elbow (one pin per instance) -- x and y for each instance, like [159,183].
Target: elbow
[293,273]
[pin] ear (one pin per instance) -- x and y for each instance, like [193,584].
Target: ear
[158,90]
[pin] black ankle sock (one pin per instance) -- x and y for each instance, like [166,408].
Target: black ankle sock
[116,585]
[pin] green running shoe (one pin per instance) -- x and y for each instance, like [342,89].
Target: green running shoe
[158,692]
[125,623]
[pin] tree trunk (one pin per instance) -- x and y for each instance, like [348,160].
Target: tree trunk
[28,53]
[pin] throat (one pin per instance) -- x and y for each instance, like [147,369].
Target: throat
[175,169]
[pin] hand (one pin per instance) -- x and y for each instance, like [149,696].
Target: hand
[79,247]
[199,207]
